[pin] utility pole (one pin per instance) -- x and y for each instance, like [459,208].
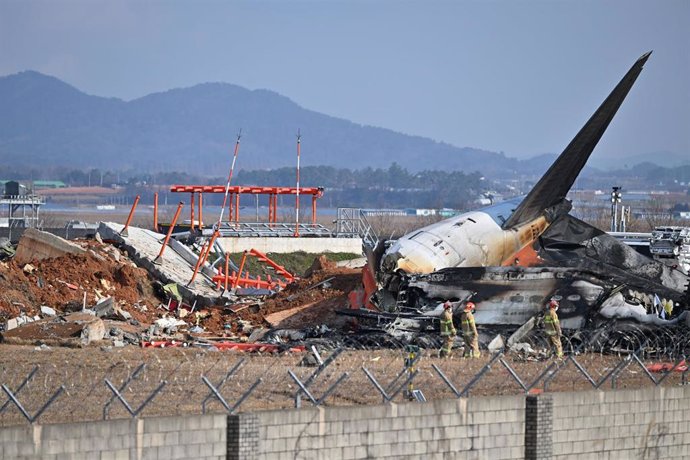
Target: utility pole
[299,140]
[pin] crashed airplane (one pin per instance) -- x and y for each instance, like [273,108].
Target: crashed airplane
[512,256]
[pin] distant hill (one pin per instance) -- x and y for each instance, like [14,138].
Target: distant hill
[46,121]
[665,159]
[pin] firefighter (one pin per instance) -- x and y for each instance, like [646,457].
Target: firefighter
[448,331]
[469,332]
[552,327]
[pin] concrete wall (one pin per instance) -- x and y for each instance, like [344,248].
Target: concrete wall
[651,423]
[284,245]
[198,437]
[468,428]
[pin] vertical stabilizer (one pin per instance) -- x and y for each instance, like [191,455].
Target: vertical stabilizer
[553,187]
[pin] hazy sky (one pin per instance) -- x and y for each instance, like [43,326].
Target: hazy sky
[513,76]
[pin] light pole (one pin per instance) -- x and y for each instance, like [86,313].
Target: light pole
[616,197]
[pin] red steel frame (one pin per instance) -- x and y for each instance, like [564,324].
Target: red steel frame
[236,190]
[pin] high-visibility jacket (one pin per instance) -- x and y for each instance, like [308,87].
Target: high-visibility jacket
[447,327]
[551,324]
[469,328]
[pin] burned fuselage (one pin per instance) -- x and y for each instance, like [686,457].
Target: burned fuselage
[510,296]
[517,254]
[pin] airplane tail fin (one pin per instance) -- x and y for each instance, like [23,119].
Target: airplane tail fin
[553,187]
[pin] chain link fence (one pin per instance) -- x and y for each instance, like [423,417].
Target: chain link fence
[61,385]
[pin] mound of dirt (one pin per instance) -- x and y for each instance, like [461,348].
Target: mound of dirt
[337,283]
[64,281]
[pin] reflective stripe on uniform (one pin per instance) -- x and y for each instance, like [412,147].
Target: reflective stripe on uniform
[467,325]
[551,324]
[447,327]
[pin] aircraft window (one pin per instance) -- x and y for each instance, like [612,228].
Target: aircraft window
[501,218]
[472,220]
[573,297]
[438,242]
[457,224]
[415,235]
[517,299]
[536,299]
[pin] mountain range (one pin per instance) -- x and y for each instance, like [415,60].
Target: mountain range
[44,120]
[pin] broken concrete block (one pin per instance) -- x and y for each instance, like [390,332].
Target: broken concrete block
[122,314]
[21,320]
[94,329]
[37,245]
[106,284]
[118,343]
[47,311]
[28,268]
[11,324]
[130,338]
[168,323]
[77,328]
[496,344]
[105,308]
[257,334]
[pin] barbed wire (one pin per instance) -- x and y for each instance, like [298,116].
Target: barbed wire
[172,383]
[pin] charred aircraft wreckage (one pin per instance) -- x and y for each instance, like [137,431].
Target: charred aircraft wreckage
[512,257]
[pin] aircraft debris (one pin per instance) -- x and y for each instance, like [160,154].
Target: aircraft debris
[520,252]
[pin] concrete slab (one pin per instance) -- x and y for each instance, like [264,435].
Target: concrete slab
[74,329]
[176,266]
[352,263]
[38,245]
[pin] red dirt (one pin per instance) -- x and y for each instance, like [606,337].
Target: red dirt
[298,293]
[61,283]
[21,291]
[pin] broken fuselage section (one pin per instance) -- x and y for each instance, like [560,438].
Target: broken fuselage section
[512,257]
[511,296]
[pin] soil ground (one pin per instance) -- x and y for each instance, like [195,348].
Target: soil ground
[82,372]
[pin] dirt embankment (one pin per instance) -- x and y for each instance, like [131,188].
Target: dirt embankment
[61,283]
[65,283]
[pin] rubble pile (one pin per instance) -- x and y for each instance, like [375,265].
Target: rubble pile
[61,293]
[308,301]
[69,282]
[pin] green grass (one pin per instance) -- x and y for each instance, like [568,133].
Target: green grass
[294,262]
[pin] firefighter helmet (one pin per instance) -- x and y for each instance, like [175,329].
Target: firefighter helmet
[469,306]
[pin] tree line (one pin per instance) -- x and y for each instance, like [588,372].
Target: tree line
[394,186]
